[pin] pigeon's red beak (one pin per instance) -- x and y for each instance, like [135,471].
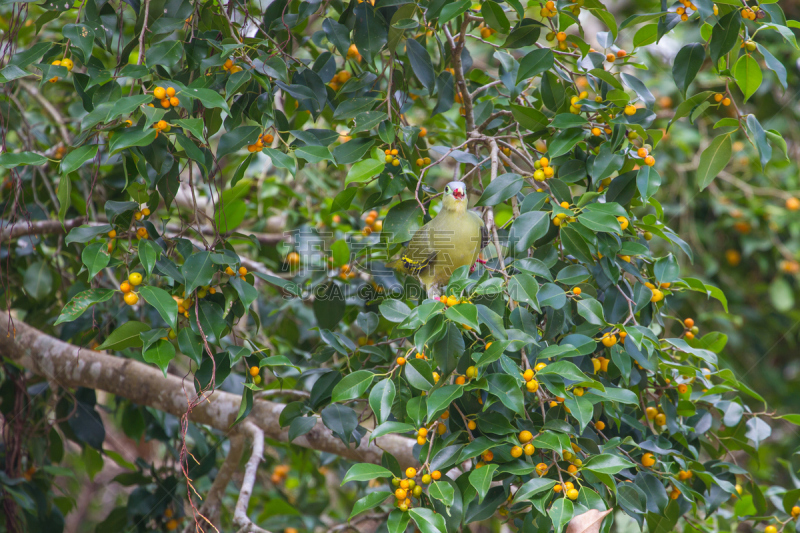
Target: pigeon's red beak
[458,194]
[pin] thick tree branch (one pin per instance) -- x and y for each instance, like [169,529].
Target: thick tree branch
[71,366]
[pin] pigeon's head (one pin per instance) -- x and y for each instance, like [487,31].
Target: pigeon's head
[457,190]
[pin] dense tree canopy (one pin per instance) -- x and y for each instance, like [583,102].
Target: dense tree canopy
[200,199]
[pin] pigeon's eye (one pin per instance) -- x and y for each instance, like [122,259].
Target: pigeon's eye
[447,190]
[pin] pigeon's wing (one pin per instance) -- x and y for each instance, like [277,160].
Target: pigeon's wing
[484,231]
[419,253]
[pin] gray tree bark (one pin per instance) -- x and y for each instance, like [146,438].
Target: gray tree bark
[72,366]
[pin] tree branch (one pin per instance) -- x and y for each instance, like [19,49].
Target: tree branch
[210,510]
[296,394]
[41,227]
[50,108]
[240,518]
[72,366]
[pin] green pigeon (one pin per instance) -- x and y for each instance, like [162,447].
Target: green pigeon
[452,239]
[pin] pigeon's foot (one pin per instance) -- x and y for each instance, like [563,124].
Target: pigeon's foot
[434,292]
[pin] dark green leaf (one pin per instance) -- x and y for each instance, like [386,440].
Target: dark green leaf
[501,189]
[337,34]
[209,98]
[352,150]
[564,141]
[713,160]
[64,196]
[12,160]
[76,158]
[607,464]
[125,336]
[507,389]
[313,154]
[774,65]
[532,488]
[575,245]
[82,36]
[329,306]
[464,313]
[592,311]
[160,354]
[342,421]
[523,288]
[421,64]
[381,399]
[523,35]
[390,427]
[373,499]
[398,521]
[560,513]
[237,138]
[747,73]
[165,53]
[427,521]
[245,406]
[190,345]
[370,32]
[495,17]
[149,253]
[724,35]
[83,301]
[553,94]
[166,306]
[441,399]
[86,233]
[95,257]
[527,229]
[529,118]
[367,120]
[211,320]
[197,271]
[281,160]
[365,472]
[401,222]
[247,293]
[442,491]
[418,373]
[38,280]
[192,125]
[687,64]
[452,10]
[481,479]
[352,386]
[132,138]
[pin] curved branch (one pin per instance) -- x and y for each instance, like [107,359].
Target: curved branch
[210,510]
[240,518]
[50,108]
[72,366]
